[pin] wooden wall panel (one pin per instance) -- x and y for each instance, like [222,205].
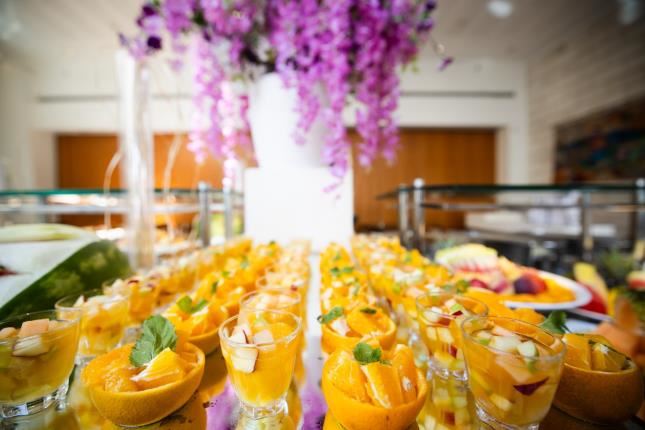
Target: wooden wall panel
[437,156]
[83,160]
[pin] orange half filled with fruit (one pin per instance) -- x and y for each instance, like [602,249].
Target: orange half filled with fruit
[513,370]
[594,370]
[440,316]
[37,353]
[366,388]
[199,320]
[344,328]
[140,384]
[259,348]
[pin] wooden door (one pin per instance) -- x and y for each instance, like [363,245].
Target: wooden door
[439,157]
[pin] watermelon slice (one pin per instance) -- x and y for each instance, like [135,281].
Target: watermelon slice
[49,271]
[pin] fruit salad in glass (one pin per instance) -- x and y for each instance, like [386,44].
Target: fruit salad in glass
[278,299]
[513,370]
[37,352]
[439,317]
[103,321]
[141,293]
[260,348]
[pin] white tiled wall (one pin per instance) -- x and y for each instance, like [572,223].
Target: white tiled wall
[599,67]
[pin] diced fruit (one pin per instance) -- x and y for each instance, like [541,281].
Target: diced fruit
[460,402]
[605,359]
[516,367]
[444,335]
[339,325]
[501,402]
[431,332]
[8,332]
[31,346]
[165,368]
[529,283]
[441,398]
[527,349]
[501,331]
[383,384]
[505,343]
[33,327]
[243,359]
[528,389]
[578,352]
[263,337]
[238,336]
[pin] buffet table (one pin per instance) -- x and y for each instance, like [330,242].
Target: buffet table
[215,406]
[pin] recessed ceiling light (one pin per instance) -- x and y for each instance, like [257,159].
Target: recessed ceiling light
[500,8]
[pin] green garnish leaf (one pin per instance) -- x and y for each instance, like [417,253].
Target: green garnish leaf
[158,334]
[365,354]
[187,306]
[461,286]
[337,257]
[335,312]
[335,271]
[214,287]
[370,311]
[457,307]
[556,323]
[226,273]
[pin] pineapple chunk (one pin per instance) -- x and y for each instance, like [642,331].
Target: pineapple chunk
[34,327]
[501,402]
[444,335]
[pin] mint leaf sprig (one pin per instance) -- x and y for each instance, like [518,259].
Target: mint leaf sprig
[555,323]
[335,312]
[365,354]
[158,334]
[187,305]
[368,310]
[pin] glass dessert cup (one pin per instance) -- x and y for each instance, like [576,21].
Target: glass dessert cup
[260,348]
[513,370]
[439,316]
[140,292]
[278,299]
[37,352]
[103,321]
[449,405]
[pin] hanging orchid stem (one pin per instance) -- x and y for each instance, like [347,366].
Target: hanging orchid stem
[336,49]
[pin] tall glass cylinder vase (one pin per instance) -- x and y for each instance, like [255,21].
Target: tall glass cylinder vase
[137,168]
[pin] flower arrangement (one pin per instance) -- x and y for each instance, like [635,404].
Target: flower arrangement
[331,51]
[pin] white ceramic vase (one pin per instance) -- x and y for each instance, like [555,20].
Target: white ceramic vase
[273,119]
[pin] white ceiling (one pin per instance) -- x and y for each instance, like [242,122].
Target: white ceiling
[33,28]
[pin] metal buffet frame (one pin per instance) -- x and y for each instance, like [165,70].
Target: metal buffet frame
[412,201]
[208,200]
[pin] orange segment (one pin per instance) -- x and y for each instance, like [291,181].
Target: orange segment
[366,323]
[383,384]
[118,380]
[403,362]
[578,352]
[346,375]
[165,368]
